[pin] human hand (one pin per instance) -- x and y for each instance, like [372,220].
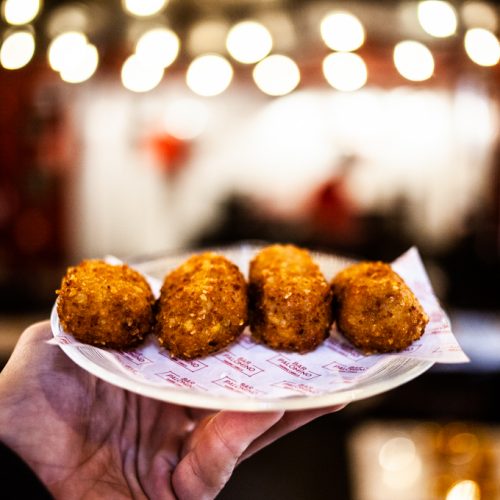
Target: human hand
[86,438]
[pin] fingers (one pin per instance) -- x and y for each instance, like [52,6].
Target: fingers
[291,420]
[209,463]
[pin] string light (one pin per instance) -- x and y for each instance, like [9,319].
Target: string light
[249,42]
[345,71]
[209,75]
[342,31]
[276,75]
[64,47]
[437,17]
[414,61]
[17,50]
[18,12]
[482,46]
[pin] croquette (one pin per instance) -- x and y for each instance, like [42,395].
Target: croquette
[375,309]
[202,306]
[105,305]
[290,299]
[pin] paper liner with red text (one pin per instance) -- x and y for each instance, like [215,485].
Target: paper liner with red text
[248,368]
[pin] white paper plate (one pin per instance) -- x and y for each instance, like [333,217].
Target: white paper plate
[229,382]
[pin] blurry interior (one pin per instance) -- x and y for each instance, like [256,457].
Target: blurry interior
[110,146]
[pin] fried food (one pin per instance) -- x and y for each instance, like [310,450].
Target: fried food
[290,300]
[375,309]
[105,305]
[202,306]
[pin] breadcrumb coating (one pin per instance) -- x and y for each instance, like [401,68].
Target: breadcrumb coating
[290,300]
[375,309]
[202,307]
[105,305]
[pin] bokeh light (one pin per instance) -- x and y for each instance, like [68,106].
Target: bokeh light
[464,490]
[139,75]
[18,12]
[81,66]
[345,71]
[414,61]
[17,50]
[342,31]
[158,46]
[64,47]
[249,42]
[438,18]
[482,46]
[209,75]
[276,75]
[144,8]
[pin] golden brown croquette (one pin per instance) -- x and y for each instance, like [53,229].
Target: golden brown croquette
[375,309]
[202,306]
[105,305]
[290,300]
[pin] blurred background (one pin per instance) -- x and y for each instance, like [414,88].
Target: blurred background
[142,127]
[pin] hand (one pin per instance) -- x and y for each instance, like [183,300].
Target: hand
[85,438]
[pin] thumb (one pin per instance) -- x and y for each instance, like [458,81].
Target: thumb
[208,465]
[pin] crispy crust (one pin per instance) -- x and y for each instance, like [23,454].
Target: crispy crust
[105,305]
[375,309]
[290,300]
[202,306]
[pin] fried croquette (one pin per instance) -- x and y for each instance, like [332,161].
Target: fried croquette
[105,305]
[290,300]
[375,309]
[202,306]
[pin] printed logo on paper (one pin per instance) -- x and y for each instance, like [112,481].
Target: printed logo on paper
[239,387]
[292,367]
[239,363]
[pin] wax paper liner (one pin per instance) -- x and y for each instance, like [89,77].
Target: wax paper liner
[250,376]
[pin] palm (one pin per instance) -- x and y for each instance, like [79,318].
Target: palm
[88,439]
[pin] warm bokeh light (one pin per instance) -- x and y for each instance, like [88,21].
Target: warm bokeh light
[64,48]
[482,46]
[81,66]
[209,75]
[249,42]
[143,8]
[478,14]
[437,17]
[345,71]
[414,61]
[158,46]
[464,490]
[276,75]
[17,50]
[207,36]
[17,12]
[140,76]
[342,31]
[186,118]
